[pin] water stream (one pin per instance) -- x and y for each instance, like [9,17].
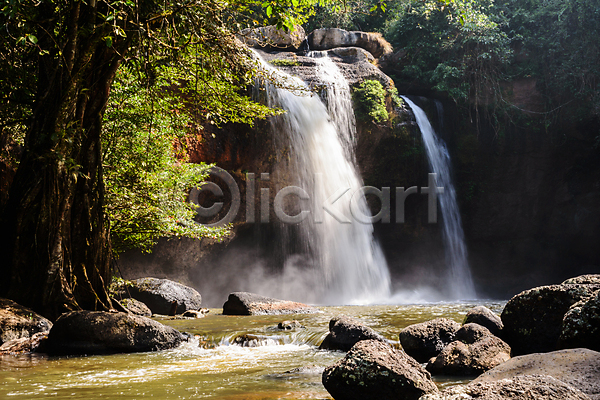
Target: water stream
[211,366]
[460,282]
[347,264]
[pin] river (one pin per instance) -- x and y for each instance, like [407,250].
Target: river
[211,367]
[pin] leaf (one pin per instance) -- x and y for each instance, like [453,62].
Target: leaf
[295,3]
[109,41]
[269,11]
[32,39]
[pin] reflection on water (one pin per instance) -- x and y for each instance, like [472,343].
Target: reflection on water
[210,366]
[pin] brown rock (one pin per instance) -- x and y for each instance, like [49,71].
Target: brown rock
[579,368]
[426,339]
[375,370]
[460,358]
[18,322]
[533,318]
[527,387]
[99,332]
[243,303]
[345,332]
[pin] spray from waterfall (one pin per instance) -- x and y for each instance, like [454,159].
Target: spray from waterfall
[460,282]
[347,264]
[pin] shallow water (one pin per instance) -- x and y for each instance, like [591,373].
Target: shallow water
[210,367]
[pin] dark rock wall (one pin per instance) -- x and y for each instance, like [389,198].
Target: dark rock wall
[529,198]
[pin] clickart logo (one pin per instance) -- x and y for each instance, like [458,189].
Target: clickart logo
[320,206]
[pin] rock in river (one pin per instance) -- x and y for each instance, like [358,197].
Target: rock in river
[345,332]
[526,387]
[426,339]
[581,324]
[485,317]
[375,370]
[243,303]
[533,319]
[474,351]
[18,322]
[579,368]
[160,295]
[99,332]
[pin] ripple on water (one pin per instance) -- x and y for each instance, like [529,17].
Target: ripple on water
[222,370]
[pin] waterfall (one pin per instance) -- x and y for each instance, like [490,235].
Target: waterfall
[460,282]
[348,266]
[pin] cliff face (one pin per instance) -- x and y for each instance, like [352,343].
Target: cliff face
[530,200]
[537,217]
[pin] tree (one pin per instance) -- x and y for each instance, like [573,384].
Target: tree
[55,241]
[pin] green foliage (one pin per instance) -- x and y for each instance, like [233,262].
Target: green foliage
[558,45]
[369,99]
[280,62]
[363,15]
[146,184]
[454,46]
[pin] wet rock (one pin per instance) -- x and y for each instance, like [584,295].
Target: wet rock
[591,279]
[485,317]
[289,325]
[243,303]
[345,332]
[470,333]
[329,38]
[426,339]
[99,332]
[581,324]
[194,313]
[375,370]
[533,318]
[250,340]
[579,368]
[18,322]
[136,307]
[160,295]
[356,65]
[272,38]
[35,343]
[527,387]
[299,372]
[474,351]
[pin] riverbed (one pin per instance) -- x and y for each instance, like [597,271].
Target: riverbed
[210,366]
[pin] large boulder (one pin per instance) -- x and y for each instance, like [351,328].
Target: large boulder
[18,322]
[533,318]
[329,38]
[485,317]
[243,303]
[160,295]
[345,332]
[581,324]
[527,387]
[426,339]
[272,38]
[591,279]
[475,351]
[136,307]
[375,370]
[99,332]
[32,344]
[579,368]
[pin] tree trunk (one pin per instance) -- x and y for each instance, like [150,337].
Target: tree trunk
[55,245]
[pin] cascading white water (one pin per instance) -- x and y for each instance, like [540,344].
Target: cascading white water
[348,263]
[460,282]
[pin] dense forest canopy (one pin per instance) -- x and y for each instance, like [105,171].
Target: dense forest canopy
[95,95]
